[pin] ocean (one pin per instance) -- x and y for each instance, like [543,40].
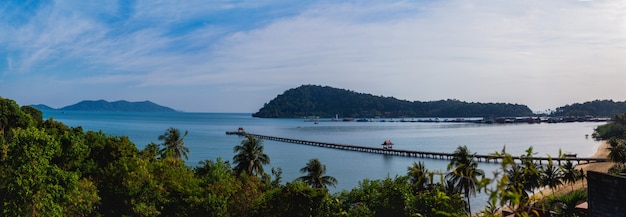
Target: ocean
[207,140]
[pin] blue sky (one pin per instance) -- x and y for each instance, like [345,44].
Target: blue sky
[234,56]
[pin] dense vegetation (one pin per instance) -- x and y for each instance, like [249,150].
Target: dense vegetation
[117,106]
[615,133]
[313,100]
[50,169]
[597,108]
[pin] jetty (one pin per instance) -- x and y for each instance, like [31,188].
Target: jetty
[416,154]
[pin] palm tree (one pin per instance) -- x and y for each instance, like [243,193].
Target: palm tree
[174,144]
[551,176]
[465,175]
[570,173]
[418,176]
[565,205]
[315,175]
[617,153]
[249,156]
[461,156]
[150,152]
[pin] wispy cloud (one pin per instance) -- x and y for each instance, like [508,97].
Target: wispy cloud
[417,50]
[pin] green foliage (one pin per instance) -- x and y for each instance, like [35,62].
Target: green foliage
[249,156]
[615,134]
[551,176]
[297,199]
[514,184]
[49,169]
[34,113]
[218,186]
[465,174]
[387,197]
[598,108]
[395,197]
[11,116]
[418,176]
[565,205]
[616,129]
[436,203]
[315,177]
[570,174]
[313,100]
[617,153]
[31,183]
[174,144]
[82,200]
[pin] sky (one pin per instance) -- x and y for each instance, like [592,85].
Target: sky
[234,56]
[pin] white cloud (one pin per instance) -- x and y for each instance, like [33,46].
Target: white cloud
[475,51]
[538,53]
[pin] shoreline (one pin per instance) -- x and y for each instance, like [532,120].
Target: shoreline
[601,152]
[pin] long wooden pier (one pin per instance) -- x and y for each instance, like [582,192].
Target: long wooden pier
[412,153]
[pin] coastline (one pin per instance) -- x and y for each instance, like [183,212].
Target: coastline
[601,152]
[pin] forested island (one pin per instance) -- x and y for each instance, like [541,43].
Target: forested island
[328,102]
[116,106]
[598,108]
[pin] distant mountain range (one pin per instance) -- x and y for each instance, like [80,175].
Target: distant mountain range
[105,106]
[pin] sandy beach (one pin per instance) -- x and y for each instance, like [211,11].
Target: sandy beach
[601,152]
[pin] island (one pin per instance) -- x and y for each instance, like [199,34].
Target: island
[116,106]
[329,102]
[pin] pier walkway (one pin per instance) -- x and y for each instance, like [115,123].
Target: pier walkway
[411,153]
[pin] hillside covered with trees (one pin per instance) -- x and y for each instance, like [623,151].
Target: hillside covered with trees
[597,108]
[314,100]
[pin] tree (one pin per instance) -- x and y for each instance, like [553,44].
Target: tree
[513,183]
[571,174]
[249,156]
[565,205]
[465,175]
[34,113]
[315,175]
[32,185]
[617,153]
[11,116]
[297,199]
[174,143]
[614,129]
[418,176]
[551,176]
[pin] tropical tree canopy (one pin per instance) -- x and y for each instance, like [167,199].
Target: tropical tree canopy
[617,153]
[173,143]
[315,177]
[418,175]
[249,156]
[551,176]
[464,176]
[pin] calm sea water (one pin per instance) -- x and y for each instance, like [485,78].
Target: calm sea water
[207,140]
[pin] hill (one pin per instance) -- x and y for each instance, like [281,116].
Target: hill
[314,100]
[42,107]
[117,106]
[597,108]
